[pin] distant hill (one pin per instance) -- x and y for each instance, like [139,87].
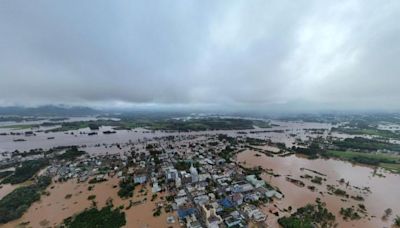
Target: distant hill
[48,110]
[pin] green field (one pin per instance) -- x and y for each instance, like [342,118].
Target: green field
[386,161]
[395,168]
[20,126]
[368,131]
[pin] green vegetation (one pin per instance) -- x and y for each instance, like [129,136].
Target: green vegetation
[349,213]
[358,198]
[20,126]
[95,180]
[157,212]
[395,168]
[384,160]
[71,154]
[360,143]
[13,205]
[337,191]
[388,212]
[368,131]
[255,141]
[26,171]
[185,165]
[5,174]
[311,151]
[126,188]
[107,217]
[227,153]
[397,221]
[231,140]
[309,215]
[317,180]
[202,124]
[198,124]
[91,197]
[69,126]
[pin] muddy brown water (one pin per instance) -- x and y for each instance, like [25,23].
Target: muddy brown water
[51,210]
[384,190]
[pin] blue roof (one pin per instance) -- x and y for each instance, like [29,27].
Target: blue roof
[226,203]
[182,213]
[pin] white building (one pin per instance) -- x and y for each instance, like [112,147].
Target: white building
[254,213]
[194,174]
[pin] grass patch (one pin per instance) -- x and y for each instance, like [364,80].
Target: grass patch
[364,144]
[395,168]
[368,131]
[387,161]
[20,126]
[71,154]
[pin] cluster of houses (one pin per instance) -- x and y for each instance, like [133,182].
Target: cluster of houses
[205,190]
[210,191]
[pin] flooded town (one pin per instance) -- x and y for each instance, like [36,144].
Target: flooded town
[258,177]
[199,114]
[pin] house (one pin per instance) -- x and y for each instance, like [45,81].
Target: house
[201,200]
[210,216]
[233,222]
[237,199]
[194,174]
[254,213]
[226,203]
[140,178]
[155,188]
[254,181]
[254,196]
[185,177]
[245,187]
[171,173]
[181,201]
[184,212]
[273,193]
[192,222]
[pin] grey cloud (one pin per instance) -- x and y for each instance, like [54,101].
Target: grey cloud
[341,54]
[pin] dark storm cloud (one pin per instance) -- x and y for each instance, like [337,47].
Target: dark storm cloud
[239,53]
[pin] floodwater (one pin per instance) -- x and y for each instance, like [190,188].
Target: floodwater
[51,210]
[384,190]
[37,122]
[6,188]
[285,132]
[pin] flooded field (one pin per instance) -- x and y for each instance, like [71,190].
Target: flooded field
[66,199]
[383,191]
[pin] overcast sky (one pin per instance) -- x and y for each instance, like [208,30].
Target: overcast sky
[259,54]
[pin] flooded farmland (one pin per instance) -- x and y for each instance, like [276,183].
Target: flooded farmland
[68,198]
[358,178]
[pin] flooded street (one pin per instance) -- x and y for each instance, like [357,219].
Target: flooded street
[358,177]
